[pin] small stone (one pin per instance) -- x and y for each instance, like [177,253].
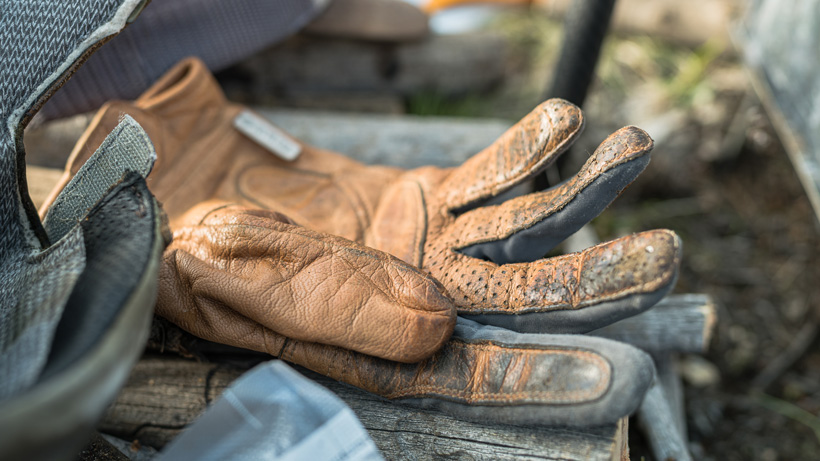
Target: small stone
[650,249]
[699,372]
[769,454]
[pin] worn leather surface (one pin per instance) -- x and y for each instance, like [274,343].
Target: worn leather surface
[488,258]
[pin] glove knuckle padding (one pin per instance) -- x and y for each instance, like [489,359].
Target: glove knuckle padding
[310,286]
[519,154]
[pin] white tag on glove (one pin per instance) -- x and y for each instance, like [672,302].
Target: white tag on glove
[261,131]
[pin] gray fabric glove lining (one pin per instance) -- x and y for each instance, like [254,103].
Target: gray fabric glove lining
[533,243]
[119,235]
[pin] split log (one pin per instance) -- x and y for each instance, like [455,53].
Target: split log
[165,394]
[678,323]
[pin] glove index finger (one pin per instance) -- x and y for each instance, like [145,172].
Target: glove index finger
[523,151]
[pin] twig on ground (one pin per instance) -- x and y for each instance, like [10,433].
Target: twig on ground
[788,410]
[786,359]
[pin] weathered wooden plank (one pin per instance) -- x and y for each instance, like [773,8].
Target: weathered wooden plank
[449,65]
[670,380]
[164,394]
[402,141]
[678,323]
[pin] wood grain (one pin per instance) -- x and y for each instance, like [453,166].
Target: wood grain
[164,394]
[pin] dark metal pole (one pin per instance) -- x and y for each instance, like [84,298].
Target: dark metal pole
[585,27]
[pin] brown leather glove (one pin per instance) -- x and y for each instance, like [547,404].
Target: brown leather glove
[488,257]
[253,262]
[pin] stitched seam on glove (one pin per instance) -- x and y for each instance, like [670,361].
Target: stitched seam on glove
[557,397]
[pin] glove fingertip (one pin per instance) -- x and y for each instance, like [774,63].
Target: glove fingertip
[562,121]
[625,144]
[430,317]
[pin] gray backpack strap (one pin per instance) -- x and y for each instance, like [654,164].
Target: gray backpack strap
[42,43]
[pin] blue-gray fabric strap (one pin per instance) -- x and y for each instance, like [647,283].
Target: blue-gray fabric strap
[127,148]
